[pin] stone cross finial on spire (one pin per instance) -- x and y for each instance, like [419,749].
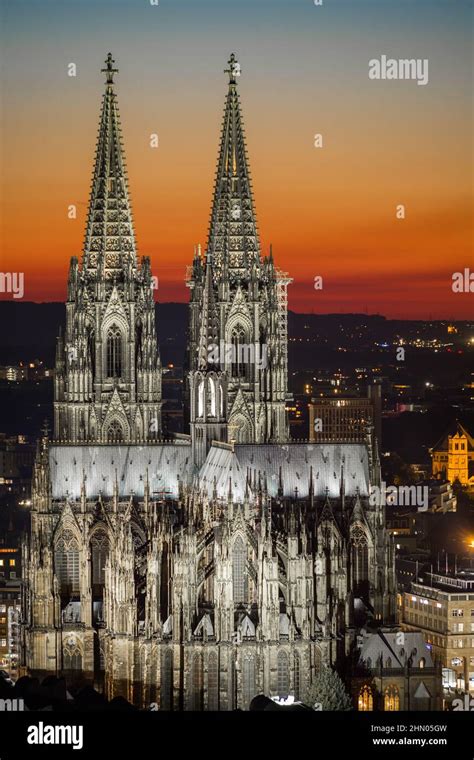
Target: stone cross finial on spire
[109,70]
[234,69]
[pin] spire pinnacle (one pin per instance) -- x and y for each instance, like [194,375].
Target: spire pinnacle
[234,69]
[109,70]
[110,239]
[233,215]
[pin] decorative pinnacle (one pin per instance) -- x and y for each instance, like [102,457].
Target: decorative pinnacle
[234,69]
[109,70]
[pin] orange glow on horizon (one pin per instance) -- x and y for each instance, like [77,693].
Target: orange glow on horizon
[328,212]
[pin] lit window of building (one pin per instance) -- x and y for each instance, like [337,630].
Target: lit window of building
[391,702]
[365,702]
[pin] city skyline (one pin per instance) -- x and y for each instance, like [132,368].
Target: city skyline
[327,211]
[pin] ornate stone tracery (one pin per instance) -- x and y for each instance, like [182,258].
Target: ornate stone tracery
[200,572]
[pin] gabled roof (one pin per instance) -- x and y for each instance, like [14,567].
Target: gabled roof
[394,649]
[455,429]
[297,463]
[421,691]
[205,624]
[100,465]
[247,626]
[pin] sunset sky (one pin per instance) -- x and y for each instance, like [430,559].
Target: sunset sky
[328,212]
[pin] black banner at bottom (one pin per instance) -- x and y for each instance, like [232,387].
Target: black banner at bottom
[93,734]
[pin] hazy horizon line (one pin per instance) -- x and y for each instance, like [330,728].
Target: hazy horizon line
[293,311]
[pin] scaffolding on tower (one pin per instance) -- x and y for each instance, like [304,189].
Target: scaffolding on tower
[282,282]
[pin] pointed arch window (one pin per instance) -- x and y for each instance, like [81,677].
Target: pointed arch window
[391,701]
[114,352]
[91,347]
[212,683]
[240,352]
[318,658]
[361,564]
[166,701]
[240,429]
[72,658]
[365,702]
[248,680]
[66,563]
[212,410]
[138,345]
[99,552]
[201,399]
[297,676]
[196,683]
[283,674]
[239,578]
[114,432]
[360,559]
[232,697]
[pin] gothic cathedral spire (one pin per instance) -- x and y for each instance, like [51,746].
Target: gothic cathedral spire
[233,235]
[237,380]
[108,371]
[109,230]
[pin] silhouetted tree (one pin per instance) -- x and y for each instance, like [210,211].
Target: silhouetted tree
[329,691]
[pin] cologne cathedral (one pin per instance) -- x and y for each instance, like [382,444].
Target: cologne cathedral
[196,572]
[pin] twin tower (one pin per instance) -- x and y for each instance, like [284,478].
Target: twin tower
[108,369]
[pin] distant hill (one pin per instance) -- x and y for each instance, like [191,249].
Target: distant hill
[319,344]
[316,340]
[30,330]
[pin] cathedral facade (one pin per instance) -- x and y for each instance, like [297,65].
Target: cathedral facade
[198,572]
